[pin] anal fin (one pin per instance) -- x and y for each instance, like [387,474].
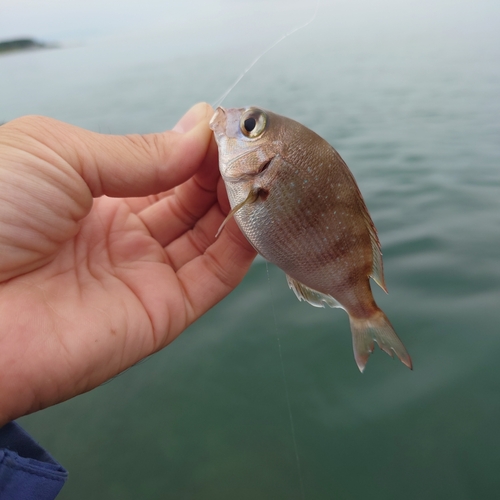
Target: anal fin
[315,298]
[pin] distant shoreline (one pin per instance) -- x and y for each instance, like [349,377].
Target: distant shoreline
[20,44]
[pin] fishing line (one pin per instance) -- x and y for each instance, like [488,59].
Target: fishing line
[292,427]
[216,104]
[219,101]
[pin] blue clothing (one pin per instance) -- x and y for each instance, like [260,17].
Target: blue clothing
[27,471]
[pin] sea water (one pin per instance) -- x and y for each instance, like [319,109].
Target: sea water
[410,97]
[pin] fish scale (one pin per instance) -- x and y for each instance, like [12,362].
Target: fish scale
[298,204]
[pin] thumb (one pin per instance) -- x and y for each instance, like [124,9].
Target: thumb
[129,165]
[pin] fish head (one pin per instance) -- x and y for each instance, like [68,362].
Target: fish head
[247,139]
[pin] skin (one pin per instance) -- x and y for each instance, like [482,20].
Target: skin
[108,251]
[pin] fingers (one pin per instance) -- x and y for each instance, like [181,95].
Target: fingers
[207,279]
[173,215]
[126,166]
[194,242]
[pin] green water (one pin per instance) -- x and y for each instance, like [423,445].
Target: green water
[411,100]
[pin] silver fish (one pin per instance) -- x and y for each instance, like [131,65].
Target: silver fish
[297,203]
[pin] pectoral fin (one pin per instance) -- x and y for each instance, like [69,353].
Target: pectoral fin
[315,298]
[252,196]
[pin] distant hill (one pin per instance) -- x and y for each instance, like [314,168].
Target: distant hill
[22,44]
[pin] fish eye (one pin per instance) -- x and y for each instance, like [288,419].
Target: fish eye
[249,124]
[253,122]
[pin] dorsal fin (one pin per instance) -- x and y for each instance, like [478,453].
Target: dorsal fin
[377,273]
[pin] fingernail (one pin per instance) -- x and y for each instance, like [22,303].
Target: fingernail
[196,114]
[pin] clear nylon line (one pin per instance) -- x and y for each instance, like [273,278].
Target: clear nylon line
[219,101]
[292,426]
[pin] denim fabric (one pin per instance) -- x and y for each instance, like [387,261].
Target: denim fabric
[27,471]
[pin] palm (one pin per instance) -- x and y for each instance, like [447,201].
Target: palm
[99,290]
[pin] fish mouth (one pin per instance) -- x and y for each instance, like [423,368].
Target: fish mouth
[218,122]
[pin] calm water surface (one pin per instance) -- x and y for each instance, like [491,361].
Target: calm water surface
[412,103]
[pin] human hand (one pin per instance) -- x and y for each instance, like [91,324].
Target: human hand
[107,251]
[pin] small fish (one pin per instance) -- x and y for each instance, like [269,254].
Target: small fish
[297,203]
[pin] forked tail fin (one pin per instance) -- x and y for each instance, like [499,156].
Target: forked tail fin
[376,328]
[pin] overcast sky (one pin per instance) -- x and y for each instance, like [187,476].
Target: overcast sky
[70,19]
[66,20]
